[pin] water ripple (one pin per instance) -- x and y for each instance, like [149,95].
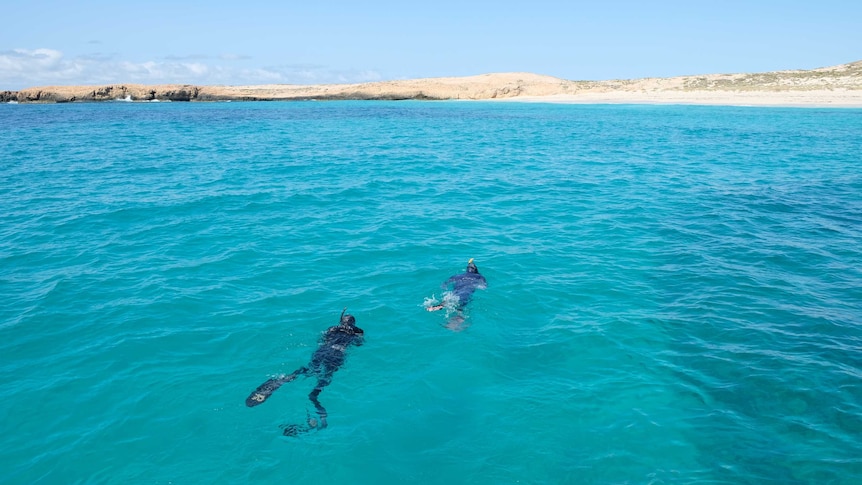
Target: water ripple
[674,292]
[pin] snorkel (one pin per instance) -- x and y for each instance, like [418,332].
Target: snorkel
[346,319]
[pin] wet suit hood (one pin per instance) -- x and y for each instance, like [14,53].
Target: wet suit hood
[471,268]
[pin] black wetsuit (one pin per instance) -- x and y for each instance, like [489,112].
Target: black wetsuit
[464,284]
[328,357]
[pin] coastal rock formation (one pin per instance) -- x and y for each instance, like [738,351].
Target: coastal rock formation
[837,85]
[119,92]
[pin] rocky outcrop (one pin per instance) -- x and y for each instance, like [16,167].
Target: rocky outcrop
[122,92]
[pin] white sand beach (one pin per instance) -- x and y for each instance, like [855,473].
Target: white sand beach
[819,98]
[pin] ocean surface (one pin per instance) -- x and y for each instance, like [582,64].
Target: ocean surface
[674,293]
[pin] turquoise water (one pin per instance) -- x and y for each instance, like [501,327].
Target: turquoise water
[674,292]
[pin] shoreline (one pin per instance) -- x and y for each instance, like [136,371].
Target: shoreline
[836,86]
[810,99]
[817,99]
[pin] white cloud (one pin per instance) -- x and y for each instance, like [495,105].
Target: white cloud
[21,68]
[234,57]
[191,57]
[46,66]
[18,62]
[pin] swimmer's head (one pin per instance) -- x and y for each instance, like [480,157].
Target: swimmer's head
[347,319]
[471,268]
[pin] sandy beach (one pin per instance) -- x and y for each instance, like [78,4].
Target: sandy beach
[813,98]
[836,86]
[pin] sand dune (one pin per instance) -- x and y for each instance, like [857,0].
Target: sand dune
[830,86]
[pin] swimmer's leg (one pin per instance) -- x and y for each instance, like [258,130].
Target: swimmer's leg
[296,429]
[321,411]
[456,322]
[447,300]
[450,300]
[266,389]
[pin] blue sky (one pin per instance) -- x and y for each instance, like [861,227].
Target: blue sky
[48,42]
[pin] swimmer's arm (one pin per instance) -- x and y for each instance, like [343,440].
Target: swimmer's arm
[359,339]
[483,283]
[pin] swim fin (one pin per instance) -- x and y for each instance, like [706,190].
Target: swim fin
[266,389]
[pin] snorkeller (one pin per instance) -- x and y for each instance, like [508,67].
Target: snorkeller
[328,357]
[459,291]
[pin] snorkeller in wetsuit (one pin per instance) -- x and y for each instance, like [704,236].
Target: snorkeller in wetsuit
[328,357]
[462,287]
